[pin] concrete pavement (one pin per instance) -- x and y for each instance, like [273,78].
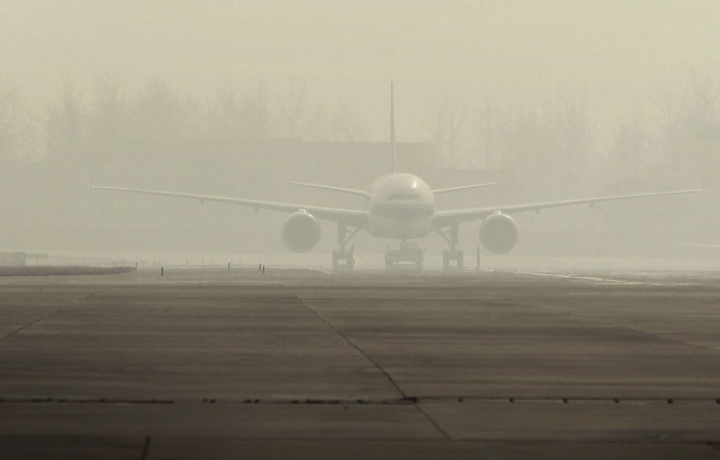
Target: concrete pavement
[217,363]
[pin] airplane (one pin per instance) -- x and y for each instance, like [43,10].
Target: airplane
[398,206]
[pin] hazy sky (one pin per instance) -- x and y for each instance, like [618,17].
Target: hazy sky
[618,54]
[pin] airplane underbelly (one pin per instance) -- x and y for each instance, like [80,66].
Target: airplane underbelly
[384,227]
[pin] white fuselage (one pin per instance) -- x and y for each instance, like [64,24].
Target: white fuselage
[400,206]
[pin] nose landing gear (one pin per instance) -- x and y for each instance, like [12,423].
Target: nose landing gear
[408,254]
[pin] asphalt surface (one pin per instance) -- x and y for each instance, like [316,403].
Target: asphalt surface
[233,363]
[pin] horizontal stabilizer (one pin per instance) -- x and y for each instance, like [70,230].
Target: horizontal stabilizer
[329,187]
[463,187]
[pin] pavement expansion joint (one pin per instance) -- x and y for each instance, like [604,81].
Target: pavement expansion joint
[357,348]
[405,401]
[146,448]
[83,401]
[568,400]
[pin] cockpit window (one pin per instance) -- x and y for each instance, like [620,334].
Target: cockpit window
[404,197]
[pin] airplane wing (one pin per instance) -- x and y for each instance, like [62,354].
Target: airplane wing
[346,216]
[445,218]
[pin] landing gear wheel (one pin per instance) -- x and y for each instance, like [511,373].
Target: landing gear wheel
[453,256]
[340,256]
[335,257]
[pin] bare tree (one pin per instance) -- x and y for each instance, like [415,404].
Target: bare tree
[528,142]
[11,112]
[109,117]
[256,111]
[491,142]
[234,116]
[223,115]
[344,125]
[576,134]
[160,113]
[702,110]
[447,129]
[297,119]
[634,157]
[292,119]
[66,124]
[690,133]
[31,138]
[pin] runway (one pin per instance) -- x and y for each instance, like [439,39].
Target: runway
[233,363]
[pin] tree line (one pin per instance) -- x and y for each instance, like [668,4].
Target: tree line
[558,142]
[158,111]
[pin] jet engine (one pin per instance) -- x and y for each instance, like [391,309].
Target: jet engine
[499,233]
[301,232]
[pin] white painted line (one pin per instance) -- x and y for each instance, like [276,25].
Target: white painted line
[601,280]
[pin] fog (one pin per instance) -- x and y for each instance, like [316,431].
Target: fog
[553,99]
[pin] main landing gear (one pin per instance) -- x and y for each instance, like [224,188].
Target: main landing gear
[342,258]
[408,254]
[452,258]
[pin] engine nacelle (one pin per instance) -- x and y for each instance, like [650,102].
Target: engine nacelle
[301,232]
[499,233]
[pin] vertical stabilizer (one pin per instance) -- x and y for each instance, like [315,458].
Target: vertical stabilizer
[392,129]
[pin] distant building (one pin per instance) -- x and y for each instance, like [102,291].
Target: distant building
[12,259]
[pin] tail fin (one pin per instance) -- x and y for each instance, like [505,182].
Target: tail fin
[392,129]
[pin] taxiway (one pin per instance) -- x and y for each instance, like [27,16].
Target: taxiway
[234,363]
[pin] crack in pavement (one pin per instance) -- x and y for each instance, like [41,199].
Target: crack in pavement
[32,323]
